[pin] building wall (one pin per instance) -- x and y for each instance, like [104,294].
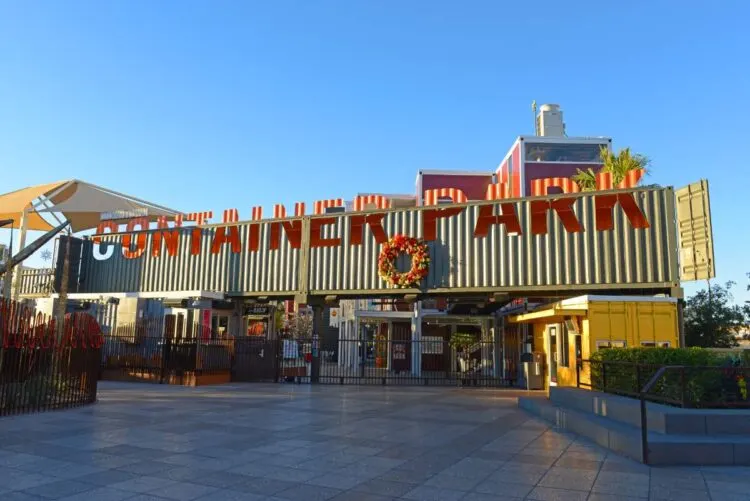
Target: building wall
[473,186]
[543,170]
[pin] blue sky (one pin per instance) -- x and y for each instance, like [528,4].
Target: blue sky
[214,104]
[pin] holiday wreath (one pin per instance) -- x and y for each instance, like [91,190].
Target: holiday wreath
[420,259]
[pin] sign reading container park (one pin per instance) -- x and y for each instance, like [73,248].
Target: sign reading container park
[621,239]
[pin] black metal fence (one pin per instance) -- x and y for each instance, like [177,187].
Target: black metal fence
[682,386]
[159,359]
[413,362]
[259,359]
[45,368]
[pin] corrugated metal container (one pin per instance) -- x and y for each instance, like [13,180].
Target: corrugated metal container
[253,272]
[622,257]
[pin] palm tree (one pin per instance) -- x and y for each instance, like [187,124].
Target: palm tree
[619,164]
[585,179]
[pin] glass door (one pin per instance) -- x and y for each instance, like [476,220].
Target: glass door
[552,357]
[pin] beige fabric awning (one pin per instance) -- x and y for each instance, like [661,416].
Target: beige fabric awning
[14,203]
[82,204]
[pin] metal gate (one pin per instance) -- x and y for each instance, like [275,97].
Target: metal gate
[255,360]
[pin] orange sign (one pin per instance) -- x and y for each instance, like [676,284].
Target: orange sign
[489,215]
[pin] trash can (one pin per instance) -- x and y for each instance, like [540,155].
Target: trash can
[534,375]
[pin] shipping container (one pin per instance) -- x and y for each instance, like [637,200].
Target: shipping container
[625,257]
[573,329]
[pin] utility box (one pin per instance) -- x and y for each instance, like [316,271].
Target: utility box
[533,372]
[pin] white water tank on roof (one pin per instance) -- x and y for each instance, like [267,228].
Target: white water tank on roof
[550,121]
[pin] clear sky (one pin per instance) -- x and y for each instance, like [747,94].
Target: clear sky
[205,105]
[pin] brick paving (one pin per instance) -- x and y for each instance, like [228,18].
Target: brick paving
[287,442]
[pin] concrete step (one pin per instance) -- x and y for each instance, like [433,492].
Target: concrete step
[661,418]
[624,439]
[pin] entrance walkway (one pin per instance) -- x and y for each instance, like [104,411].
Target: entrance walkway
[255,442]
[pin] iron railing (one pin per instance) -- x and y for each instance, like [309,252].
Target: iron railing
[682,386]
[158,359]
[707,387]
[413,362]
[43,367]
[298,360]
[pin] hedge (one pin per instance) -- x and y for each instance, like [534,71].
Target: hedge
[710,379]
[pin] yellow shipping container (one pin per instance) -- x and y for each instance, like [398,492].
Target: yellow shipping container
[574,328]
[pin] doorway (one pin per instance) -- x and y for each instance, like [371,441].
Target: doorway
[552,353]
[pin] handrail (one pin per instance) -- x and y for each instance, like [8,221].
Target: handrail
[644,418]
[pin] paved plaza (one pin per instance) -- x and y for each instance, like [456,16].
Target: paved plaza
[252,442]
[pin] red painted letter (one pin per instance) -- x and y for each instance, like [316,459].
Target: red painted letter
[487,218]
[604,207]
[221,237]
[316,229]
[564,209]
[293,231]
[374,221]
[430,217]
[127,252]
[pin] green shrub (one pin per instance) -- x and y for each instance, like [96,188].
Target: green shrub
[627,370]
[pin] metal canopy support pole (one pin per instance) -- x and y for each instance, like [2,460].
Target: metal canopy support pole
[9,273]
[416,338]
[317,334]
[17,278]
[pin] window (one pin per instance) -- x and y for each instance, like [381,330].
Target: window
[572,153]
[603,344]
[510,168]
[652,344]
[219,326]
[565,347]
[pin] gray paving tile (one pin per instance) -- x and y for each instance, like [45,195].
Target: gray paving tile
[661,494]
[336,481]
[307,492]
[106,477]
[724,487]
[142,484]
[443,480]
[384,487]
[145,497]
[232,495]
[369,442]
[504,488]
[361,496]
[59,489]
[99,494]
[263,486]
[183,491]
[21,496]
[634,489]
[552,494]
[475,496]
[595,496]
[427,493]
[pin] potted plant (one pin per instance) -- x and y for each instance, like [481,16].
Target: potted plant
[461,342]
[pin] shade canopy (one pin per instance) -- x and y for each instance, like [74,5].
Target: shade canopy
[82,204]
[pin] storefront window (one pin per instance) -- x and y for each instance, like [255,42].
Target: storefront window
[571,153]
[219,326]
[256,327]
